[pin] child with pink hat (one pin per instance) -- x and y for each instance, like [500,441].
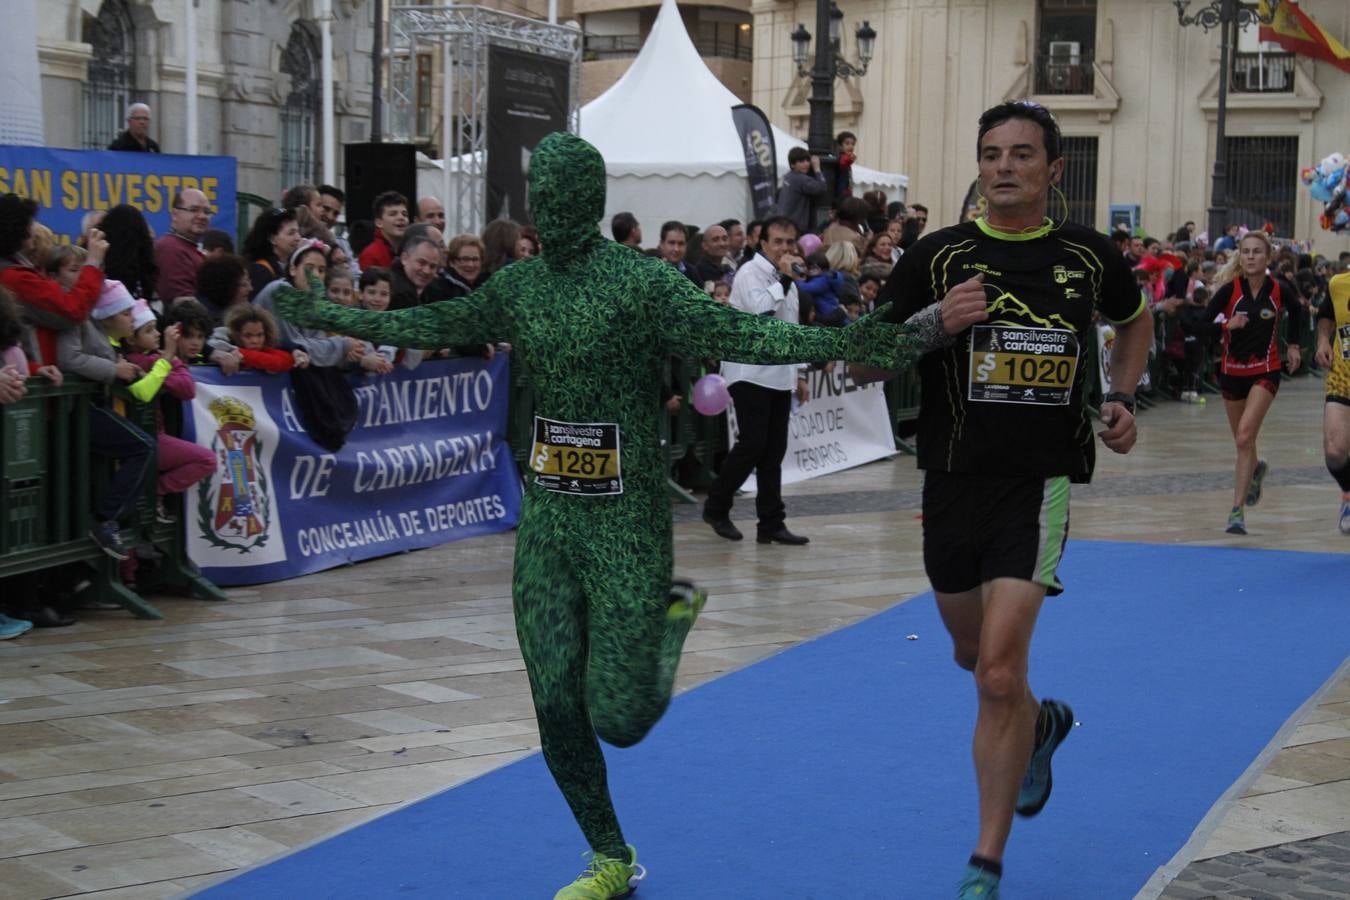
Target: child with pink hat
[89,350]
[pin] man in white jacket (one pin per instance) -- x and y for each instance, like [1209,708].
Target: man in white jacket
[762,394]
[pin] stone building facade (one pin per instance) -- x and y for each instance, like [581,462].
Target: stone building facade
[1134,91]
[258,79]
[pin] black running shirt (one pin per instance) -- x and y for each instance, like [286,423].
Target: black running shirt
[1007,397]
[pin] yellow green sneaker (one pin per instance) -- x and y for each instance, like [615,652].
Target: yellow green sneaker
[686,600]
[605,878]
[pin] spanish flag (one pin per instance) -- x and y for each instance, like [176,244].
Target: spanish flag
[1295,31]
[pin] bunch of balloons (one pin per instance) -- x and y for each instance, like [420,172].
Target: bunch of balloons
[1326,183]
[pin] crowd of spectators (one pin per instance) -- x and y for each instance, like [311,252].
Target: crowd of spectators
[122,305]
[1179,273]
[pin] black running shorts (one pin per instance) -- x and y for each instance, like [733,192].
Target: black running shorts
[977,528]
[1237,387]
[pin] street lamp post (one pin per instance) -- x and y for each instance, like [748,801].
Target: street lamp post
[1227,16]
[829,64]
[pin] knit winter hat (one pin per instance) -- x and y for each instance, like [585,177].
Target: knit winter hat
[141,315]
[114,299]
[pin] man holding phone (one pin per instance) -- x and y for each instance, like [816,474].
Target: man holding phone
[762,394]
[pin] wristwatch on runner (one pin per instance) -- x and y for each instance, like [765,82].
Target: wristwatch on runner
[1124,399]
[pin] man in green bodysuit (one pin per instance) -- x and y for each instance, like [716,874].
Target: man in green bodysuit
[600,624]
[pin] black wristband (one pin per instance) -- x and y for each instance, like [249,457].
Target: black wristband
[1124,399]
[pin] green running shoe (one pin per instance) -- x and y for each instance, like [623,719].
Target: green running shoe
[1053,724]
[1237,524]
[977,884]
[605,878]
[686,600]
[1254,489]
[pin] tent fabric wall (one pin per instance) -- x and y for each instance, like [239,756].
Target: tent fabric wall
[669,144]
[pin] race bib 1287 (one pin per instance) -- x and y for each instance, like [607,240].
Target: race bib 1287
[576,457]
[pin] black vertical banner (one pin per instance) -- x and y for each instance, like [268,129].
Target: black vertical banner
[527,99]
[761,163]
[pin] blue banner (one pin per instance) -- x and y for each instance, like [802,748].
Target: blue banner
[426,464]
[69,183]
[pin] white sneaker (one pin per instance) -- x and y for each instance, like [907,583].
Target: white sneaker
[1345,514]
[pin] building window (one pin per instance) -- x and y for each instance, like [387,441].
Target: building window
[424,98]
[1079,183]
[299,117]
[107,92]
[727,37]
[1262,181]
[1261,67]
[1065,39]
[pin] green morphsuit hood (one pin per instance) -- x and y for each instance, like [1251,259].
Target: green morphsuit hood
[567,198]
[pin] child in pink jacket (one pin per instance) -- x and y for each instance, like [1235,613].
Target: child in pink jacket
[181,463]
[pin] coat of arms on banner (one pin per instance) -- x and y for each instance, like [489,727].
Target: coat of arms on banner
[234,510]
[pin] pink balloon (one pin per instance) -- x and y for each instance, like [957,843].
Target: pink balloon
[809,243]
[710,395]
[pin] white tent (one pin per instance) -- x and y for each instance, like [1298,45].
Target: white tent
[669,144]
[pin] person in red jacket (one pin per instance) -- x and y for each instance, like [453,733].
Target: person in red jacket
[45,303]
[391,221]
[181,463]
[254,332]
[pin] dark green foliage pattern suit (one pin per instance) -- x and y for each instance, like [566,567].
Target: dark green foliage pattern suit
[594,321]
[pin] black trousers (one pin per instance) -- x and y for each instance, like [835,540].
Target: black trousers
[762,419]
[113,437]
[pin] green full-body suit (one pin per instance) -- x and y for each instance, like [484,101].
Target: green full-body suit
[595,321]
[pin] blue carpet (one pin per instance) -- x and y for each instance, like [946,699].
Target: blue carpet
[841,768]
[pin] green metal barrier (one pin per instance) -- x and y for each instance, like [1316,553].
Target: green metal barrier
[175,573]
[47,478]
[902,400]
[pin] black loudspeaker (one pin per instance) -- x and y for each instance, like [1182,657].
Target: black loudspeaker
[372,169]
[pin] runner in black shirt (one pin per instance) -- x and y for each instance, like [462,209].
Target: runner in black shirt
[1247,312]
[1003,431]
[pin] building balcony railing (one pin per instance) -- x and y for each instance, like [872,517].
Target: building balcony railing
[617,46]
[1263,73]
[722,49]
[1064,73]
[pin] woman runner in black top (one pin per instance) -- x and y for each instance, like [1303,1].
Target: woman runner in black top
[1246,311]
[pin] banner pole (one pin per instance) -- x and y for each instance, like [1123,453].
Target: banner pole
[326,73]
[190,64]
[447,133]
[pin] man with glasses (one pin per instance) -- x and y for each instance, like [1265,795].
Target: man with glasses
[136,138]
[1009,301]
[176,252]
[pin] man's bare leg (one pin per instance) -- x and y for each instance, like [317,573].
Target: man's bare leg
[991,630]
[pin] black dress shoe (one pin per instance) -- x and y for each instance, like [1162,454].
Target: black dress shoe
[724,528]
[47,617]
[782,536]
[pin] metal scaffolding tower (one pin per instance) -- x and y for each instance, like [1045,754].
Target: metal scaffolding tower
[462,35]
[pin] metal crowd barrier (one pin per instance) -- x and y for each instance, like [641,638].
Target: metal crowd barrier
[47,477]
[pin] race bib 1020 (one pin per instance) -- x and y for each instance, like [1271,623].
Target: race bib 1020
[1012,364]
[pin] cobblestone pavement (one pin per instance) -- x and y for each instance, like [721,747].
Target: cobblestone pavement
[1313,869]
